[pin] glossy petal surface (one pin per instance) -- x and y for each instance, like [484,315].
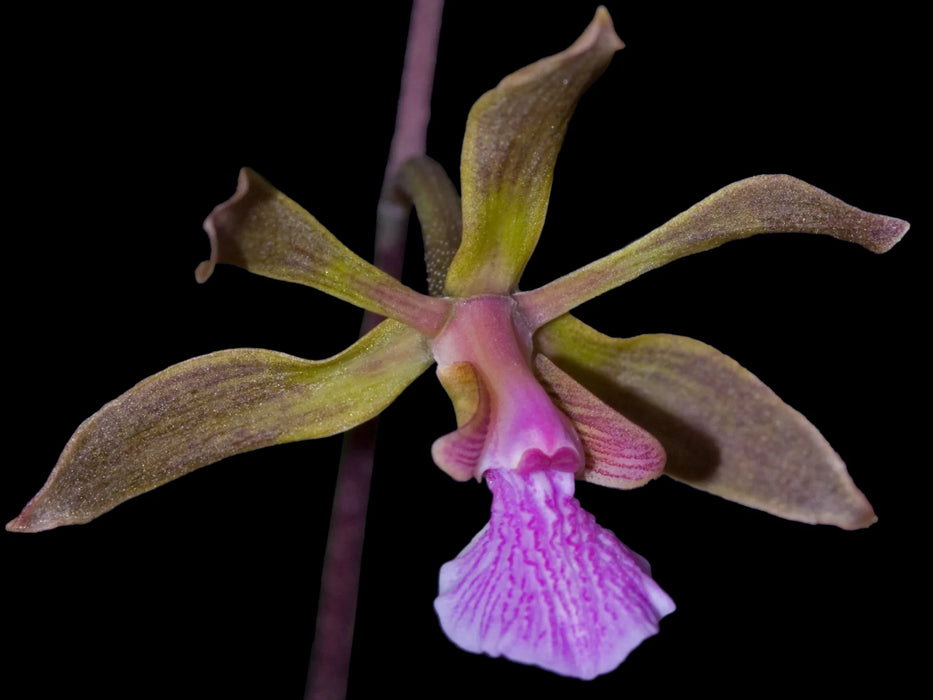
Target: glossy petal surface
[512,138]
[210,407]
[762,204]
[724,431]
[262,230]
[544,584]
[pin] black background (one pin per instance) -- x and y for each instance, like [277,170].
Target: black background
[125,130]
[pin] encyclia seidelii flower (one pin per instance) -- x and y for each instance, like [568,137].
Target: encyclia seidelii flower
[540,398]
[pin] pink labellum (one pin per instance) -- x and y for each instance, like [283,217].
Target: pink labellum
[543,584]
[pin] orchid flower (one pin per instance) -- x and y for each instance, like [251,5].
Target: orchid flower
[540,398]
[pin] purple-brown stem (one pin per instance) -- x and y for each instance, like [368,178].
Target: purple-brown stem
[333,637]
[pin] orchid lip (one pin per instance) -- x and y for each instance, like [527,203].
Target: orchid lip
[544,584]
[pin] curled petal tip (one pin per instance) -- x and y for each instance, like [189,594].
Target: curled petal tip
[510,147]
[599,39]
[265,232]
[203,271]
[223,214]
[602,26]
[206,268]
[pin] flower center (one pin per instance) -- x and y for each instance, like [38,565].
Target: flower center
[514,420]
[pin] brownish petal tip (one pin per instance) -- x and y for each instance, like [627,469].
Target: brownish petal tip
[33,519]
[860,516]
[206,268]
[223,212]
[602,25]
[888,233]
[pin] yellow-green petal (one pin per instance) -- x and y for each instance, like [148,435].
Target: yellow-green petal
[761,204]
[513,135]
[211,407]
[263,231]
[723,430]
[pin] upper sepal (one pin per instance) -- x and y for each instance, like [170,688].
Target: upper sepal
[724,431]
[513,135]
[262,230]
[211,407]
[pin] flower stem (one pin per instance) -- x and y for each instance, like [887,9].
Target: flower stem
[333,639]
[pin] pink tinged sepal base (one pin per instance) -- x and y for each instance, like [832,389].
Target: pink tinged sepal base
[543,584]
